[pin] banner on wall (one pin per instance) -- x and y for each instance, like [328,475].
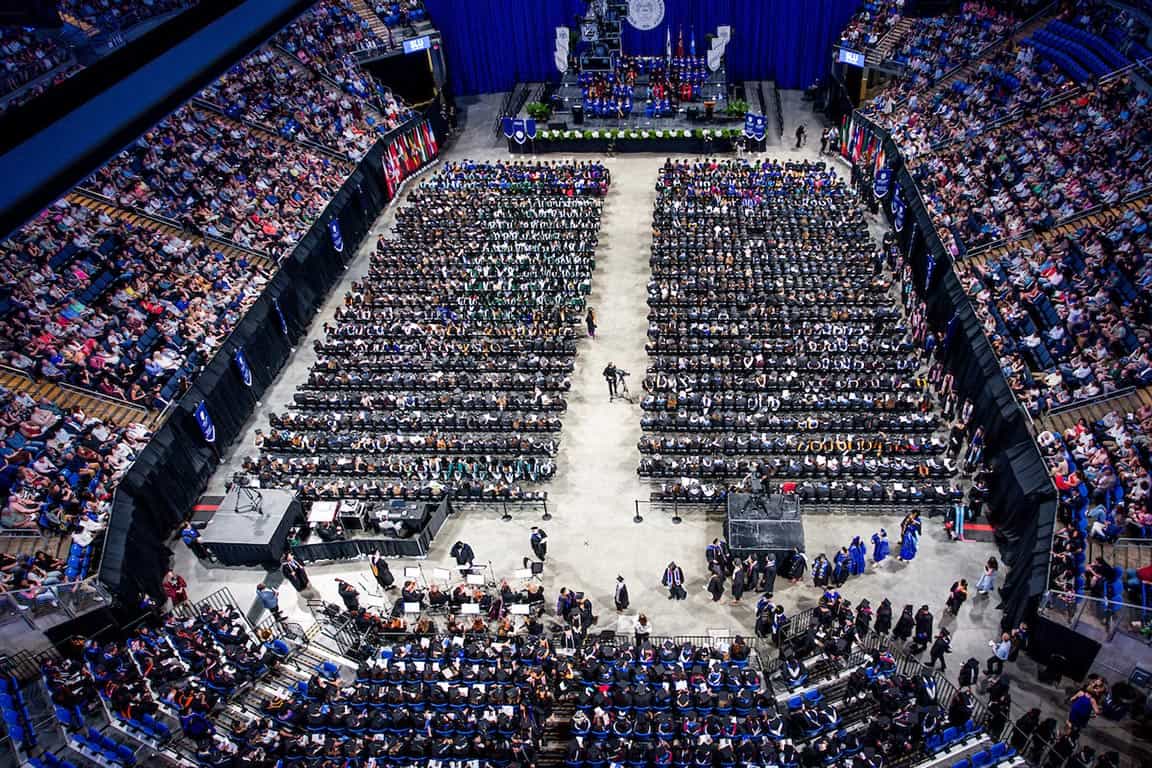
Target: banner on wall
[560,53]
[881,183]
[204,421]
[337,236]
[897,209]
[519,129]
[242,366]
[754,126]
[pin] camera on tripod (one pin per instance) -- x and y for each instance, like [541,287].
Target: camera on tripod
[621,373]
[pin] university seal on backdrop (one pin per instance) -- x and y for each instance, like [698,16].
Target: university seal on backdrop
[645,14]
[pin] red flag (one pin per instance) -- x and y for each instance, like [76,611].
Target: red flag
[430,138]
[680,44]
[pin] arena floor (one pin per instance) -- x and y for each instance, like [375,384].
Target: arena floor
[592,538]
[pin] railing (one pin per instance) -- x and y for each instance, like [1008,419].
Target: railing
[1071,219]
[315,146]
[69,600]
[1100,399]
[1110,616]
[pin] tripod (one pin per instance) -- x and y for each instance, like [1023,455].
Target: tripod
[248,500]
[622,392]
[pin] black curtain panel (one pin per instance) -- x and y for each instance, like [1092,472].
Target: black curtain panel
[1022,502]
[174,468]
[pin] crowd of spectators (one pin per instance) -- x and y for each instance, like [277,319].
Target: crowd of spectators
[742,331]
[1008,82]
[325,38]
[1069,315]
[116,308]
[295,102]
[934,45]
[27,55]
[223,179]
[59,468]
[119,15]
[1048,166]
[875,19]
[463,328]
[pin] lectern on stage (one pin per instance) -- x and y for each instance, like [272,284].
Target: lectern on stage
[761,523]
[251,526]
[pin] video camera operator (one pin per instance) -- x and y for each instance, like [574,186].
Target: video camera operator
[610,377]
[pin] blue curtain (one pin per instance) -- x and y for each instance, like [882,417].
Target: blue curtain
[492,43]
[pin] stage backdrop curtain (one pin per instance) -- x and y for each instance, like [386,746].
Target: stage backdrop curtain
[490,44]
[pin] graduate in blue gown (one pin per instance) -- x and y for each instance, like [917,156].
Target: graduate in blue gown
[857,551]
[910,535]
[880,546]
[840,566]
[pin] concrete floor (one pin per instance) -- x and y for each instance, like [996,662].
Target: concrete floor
[592,537]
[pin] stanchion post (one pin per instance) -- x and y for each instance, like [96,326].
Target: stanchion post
[507,516]
[637,517]
[547,515]
[676,519]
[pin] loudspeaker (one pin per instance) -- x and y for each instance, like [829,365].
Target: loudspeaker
[709,107]
[537,568]
[558,125]
[578,114]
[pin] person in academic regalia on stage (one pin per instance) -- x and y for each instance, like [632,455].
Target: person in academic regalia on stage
[923,624]
[857,550]
[820,570]
[620,598]
[905,625]
[673,579]
[294,572]
[797,565]
[840,567]
[910,535]
[539,543]
[880,546]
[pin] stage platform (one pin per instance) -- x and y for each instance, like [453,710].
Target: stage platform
[569,94]
[764,523]
[416,524]
[239,535]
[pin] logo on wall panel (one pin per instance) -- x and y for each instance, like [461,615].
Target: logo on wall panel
[645,14]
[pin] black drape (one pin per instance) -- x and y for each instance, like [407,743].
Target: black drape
[1022,503]
[174,468]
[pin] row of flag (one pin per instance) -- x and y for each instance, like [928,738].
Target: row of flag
[406,154]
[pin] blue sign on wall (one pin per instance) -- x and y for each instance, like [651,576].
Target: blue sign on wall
[417,44]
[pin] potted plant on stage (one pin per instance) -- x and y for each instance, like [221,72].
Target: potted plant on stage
[538,111]
[737,108]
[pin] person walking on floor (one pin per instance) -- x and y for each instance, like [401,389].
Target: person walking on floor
[738,582]
[642,629]
[956,596]
[294,572]
[923,636]
[1000,650]
[883,623]
[270,599]
[349,594]
[620,598]
[941,646]
[768,573]
[987,583]
[462,552]
[176,588]
[610,377]
[590,321]
[716,587]
[539,542]
[904,624]
[674,581]
[381,571]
